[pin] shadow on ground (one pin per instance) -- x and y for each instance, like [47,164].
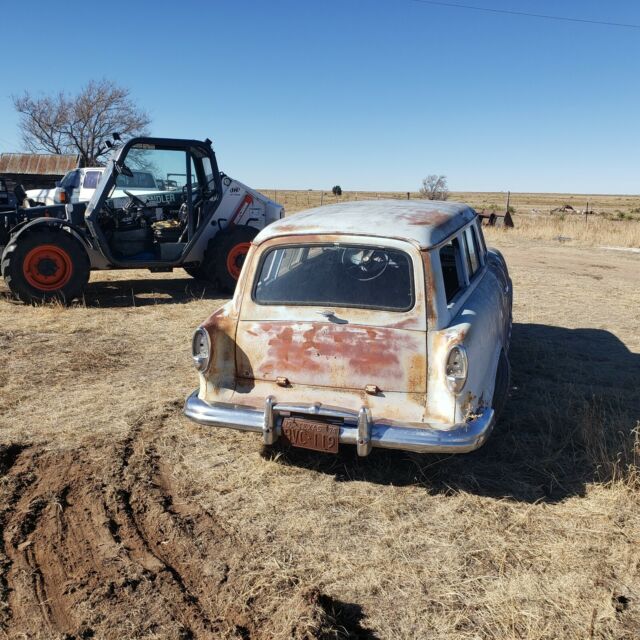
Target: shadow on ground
[149,291]
[141,292]
[571,419]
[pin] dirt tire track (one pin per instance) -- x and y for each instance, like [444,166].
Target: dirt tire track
[97,543]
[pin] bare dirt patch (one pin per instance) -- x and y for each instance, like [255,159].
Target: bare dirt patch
[112,550]
[119,518]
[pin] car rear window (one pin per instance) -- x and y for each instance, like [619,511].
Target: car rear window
[362,276]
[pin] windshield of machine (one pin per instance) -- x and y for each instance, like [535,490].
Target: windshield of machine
[367,277]
[155,169]
[139,180]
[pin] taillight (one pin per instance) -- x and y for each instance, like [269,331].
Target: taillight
[201,349]
[456,368]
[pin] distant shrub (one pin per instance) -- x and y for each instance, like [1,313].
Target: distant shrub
[435,188]
[337,190]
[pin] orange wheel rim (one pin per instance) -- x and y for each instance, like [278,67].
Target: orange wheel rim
[47,267]
[235,258]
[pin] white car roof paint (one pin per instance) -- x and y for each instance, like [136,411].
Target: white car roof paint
[423,222]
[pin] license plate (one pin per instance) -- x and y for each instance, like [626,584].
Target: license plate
[309,434]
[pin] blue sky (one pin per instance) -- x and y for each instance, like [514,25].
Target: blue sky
[368,94]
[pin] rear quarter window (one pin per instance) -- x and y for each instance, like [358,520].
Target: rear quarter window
[451,265]
[472,251]
[335,275]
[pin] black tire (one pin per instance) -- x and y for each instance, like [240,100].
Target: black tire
[46,264]
[226,255]
[501,391]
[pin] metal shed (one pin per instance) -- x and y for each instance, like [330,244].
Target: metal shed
[33,170]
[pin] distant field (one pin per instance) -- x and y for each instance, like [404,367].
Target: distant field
[524,203]
[615,220]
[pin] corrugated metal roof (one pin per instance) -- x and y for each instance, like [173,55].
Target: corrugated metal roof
[43,164]
[423,222]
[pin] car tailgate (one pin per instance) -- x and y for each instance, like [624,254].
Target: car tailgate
[326,354]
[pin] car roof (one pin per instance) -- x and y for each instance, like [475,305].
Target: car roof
[423,222]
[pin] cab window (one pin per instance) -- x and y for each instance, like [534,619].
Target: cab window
[72,179]
[91,179]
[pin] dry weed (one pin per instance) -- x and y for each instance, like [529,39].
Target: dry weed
[535,536]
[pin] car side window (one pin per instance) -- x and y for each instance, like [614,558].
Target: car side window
[451,264]
[91,179]
[472,251]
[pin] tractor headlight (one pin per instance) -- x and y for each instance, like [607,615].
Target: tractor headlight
[201,349]
[456,368]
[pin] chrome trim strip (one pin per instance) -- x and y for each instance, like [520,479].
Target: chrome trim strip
[362,432]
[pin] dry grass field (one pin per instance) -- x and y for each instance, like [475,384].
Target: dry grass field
[618,207]
[121,519]
[533,213]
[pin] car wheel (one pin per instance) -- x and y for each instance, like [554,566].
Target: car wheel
[46,265]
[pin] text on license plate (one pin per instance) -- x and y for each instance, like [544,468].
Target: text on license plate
[309,434]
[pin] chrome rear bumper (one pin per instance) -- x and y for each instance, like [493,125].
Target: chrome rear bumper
[358,428]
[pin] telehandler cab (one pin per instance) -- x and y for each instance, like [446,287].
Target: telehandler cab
[161,203]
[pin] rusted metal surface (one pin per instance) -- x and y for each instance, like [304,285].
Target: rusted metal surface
[424,223]
[37,163]
[496,219]
[332,355]
[389,405]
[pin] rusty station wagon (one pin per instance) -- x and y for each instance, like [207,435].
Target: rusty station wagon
[375,324]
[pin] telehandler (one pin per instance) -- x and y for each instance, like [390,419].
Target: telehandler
[160,204]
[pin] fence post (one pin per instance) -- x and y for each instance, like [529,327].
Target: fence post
[408,195]
[321,197]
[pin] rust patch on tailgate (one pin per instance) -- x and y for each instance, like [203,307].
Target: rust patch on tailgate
[325,354]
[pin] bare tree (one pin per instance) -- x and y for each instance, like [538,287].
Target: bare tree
[79,124]
[435,188]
